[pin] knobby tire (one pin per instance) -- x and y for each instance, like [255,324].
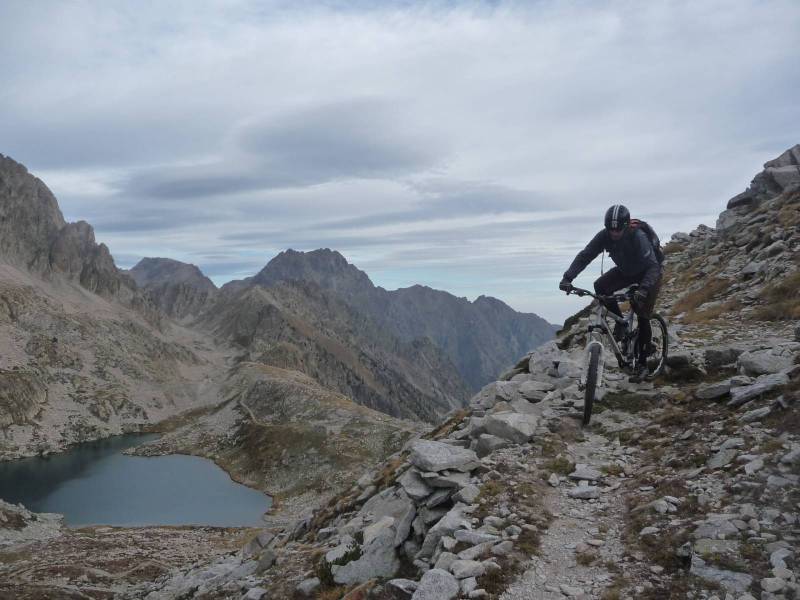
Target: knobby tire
[591,382]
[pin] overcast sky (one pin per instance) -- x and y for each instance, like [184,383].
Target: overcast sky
[468,146]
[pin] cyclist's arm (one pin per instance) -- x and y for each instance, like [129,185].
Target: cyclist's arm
[648,257]
[585,256]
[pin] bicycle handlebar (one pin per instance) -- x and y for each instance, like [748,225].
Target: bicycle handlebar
[600,297]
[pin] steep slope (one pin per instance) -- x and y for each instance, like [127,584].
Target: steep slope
[83,353]
[35,238]
[180,290]
[481,338]
[297,325]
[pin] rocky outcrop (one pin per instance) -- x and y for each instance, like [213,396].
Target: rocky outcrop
[780,175]
[35,237]
[22,395]
[480,338]
[180,290]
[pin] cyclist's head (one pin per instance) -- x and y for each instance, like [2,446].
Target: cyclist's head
[617,220]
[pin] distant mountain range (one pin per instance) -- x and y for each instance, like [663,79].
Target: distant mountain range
[91,350]
[480,338]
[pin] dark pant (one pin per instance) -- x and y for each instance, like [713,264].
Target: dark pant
[614,280]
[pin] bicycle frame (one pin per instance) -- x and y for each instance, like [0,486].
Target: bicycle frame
[598,325]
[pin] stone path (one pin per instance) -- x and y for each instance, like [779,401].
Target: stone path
[584,537]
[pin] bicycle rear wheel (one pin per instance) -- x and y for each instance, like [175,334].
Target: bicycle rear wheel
[660,346]
[592,372]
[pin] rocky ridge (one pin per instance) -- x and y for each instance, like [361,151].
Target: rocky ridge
[180,290]
[480,338]
[683,487]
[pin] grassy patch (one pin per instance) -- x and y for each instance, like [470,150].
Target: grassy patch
[706,293]
[612,469]
[560,465]
[780,300]
[628,402]
[694,317]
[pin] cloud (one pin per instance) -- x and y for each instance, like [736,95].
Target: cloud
[427,141]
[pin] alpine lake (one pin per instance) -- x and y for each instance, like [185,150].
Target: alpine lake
[96,484]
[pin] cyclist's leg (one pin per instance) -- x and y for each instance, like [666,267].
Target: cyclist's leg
[643,313]
[608,283]
[613,280]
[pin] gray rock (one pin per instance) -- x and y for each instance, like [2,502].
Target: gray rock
[503,548]
[462,569]
[715,529]
[762,385]
[440,496]
[772,585]
[713,391]
[722,458]
[256,593]
[468,494]
[513,427]
[429,455]
[755,415]
[535,391]
[737,583]
[414,485]
[446,526]
[706,547]
[378,559]
[401,589]
[308,587]
[791,458]
[585,472]
[718,356]
[437,584]
[474,538]
[446,479]
[445,560]
[266,560]
[488,443]
[764,362]
[584,492]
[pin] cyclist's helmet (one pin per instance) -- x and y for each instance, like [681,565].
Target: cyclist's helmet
[617,218]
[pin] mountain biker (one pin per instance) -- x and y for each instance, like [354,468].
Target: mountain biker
[636,262]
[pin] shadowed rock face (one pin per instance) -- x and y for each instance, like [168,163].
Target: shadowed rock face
[480,338]
[299,325]
[178,289]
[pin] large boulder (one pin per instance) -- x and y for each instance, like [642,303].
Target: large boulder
[514,427]
[454,520]
[378,557]
[437,584]
[762,385]
[429,455]
[762,362]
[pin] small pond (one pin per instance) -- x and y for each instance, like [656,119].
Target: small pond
[95,484]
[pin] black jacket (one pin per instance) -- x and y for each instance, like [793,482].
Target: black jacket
[633,254]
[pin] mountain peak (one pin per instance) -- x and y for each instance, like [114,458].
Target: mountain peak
[323,266]
[154,271]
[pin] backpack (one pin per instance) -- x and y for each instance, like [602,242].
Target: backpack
[651,235]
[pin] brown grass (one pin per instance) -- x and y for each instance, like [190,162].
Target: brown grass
[781,301]
[706,293]
[673,248]
[694,317]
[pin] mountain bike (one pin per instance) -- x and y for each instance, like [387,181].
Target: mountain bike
[624,346]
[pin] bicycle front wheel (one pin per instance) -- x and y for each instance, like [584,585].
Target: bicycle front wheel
[592,372]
